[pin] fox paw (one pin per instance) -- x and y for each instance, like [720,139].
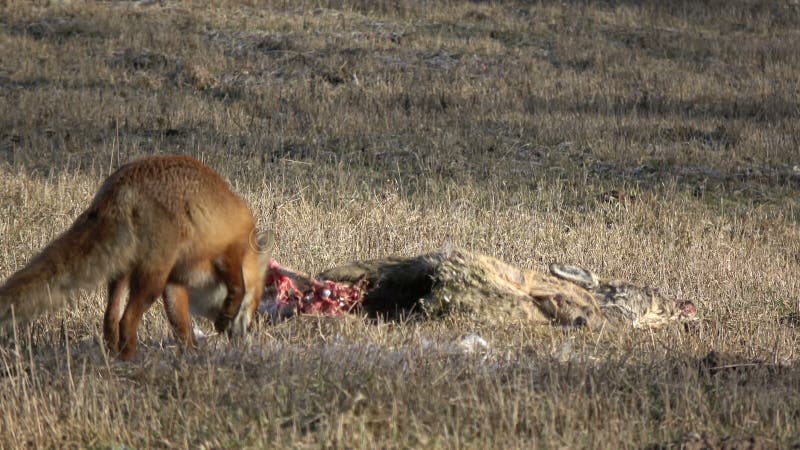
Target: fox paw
[222,323]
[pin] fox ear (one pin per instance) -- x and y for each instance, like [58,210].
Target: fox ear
[574,274]
[264,241]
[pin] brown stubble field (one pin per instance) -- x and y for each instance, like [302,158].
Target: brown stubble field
[657,142]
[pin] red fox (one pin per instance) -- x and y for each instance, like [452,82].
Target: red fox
[160,226]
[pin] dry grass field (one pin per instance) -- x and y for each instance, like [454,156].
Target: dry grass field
[653,141]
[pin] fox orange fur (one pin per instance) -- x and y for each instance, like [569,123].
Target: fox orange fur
[160,226]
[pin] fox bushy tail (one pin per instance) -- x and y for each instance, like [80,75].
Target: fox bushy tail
[93,249]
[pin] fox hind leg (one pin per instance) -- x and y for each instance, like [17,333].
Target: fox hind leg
[145,288]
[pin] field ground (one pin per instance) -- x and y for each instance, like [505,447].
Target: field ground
[657,142]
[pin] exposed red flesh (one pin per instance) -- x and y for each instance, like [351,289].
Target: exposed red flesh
[324,297]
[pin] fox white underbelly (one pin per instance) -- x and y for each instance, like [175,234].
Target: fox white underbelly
[206,300]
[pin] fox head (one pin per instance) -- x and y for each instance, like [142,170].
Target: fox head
[207,292]
[254,270]
[623,302]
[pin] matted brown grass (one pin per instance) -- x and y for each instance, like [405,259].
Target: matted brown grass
[657,142]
